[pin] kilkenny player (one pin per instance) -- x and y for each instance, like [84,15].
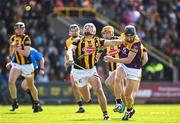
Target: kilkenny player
[84,70]
[108,33]
[74,32]
[20,49]
[38,63]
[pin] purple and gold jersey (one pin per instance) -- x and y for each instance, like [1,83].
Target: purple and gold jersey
[135,46]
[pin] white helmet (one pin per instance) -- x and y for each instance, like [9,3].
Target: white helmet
[74,26]
[19,24]
[89,28]
[74,30]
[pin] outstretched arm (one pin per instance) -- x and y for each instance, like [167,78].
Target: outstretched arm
[126,60]
[25,51]
[115,42]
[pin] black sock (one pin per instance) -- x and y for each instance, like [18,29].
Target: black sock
[80,103]
[14,100]
[118,101]
[105,113]
[36,103]
[30,95]
[90,101]
[129,109]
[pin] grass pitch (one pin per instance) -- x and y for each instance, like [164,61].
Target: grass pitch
[65,114]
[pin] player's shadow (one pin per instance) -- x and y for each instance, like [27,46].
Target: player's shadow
[11,113]
[120,119]
[87,119]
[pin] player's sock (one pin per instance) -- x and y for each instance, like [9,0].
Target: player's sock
[118,101]
[80,103]
[120,106]
[105,113]
[81,108]
[106,116]
[129,109]
[90,101]
[14,100]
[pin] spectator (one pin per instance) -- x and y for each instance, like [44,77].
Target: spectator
[157,22]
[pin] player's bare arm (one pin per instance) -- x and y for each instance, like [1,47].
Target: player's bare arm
[114,42]
[70,53]
[41,65]
[25,51]
[126,60]
[144,58]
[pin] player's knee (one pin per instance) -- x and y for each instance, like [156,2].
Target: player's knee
[117,79]
[120,74]
[107,83]
[31,86]
[24,87]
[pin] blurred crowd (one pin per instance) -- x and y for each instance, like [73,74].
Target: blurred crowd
[157,22]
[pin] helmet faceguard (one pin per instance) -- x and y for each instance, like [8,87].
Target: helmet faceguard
[89,29]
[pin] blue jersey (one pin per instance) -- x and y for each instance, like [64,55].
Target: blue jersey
[36,56]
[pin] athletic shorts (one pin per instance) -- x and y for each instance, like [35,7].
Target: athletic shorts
[110,72]
[131,73]
[82,76]
[27,70]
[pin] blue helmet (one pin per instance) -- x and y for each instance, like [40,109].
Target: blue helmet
[130,30]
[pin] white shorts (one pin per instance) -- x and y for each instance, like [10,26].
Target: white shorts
[82,76]
[131,73]
[26,70]
[110,72]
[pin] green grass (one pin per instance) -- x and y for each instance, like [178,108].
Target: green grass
[66,114]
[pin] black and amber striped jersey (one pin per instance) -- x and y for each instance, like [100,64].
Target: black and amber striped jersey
[88,61]
[112,65]
[69,41]
[23,40]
